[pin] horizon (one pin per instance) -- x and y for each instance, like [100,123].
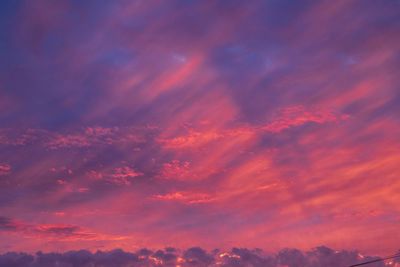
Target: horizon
[196,256]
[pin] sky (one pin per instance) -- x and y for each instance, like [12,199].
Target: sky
[212,124]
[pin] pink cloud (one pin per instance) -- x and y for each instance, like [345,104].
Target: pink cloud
[122,175]
[96,136]
[191,140]
[299,115]
[65,141]
[119,176]
[8,224]
[5,169]
[21,137]
[58,232]
[71,187]
[176,170]
[62,182]
[95,175]
[186,197]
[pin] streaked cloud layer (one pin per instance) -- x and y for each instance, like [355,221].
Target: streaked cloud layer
[218,124]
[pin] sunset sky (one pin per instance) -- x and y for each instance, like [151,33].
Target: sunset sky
[218,124]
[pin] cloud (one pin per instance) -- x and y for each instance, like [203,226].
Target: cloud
[122,175]
[176,170]
[96,136]
[7,224]
[299,115]
[192,140]
[58,232]
[195,257]
[21,137]
[5,169]
[118,176]
[63,141]
[186,197]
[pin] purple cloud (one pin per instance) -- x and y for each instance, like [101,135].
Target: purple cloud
[196,257]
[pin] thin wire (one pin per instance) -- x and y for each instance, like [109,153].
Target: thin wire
[377,260]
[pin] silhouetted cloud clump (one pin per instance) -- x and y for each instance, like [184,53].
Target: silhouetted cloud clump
[194,257]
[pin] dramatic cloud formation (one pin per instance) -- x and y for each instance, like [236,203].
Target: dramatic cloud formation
[218,124]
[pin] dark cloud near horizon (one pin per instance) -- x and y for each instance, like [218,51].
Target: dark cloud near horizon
[195,256]
[46,231]
[7,224]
